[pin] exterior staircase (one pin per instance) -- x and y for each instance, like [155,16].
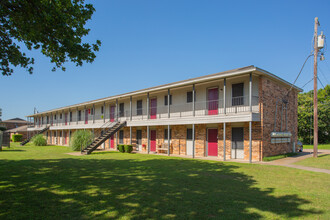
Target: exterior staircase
[28,140]
[103,137]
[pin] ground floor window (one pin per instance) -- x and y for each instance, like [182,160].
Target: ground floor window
[121,137]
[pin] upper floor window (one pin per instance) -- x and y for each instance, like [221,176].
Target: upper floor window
[139,107]
[92,111]
[47,119]
[70,116]
[166,100]
[190,97]
[238,94]
[55,117]
[102,109]
[61,116]
[79,115]
[121,110]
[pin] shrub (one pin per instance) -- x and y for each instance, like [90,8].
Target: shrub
[121,148]
[128,148]
[2,128]
[81,139]
[17,137]
[39,140]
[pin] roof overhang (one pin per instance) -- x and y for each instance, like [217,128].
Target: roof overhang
[197,80]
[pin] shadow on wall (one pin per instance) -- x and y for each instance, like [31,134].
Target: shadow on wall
[151,188]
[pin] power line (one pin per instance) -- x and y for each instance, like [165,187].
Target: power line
[321,71]
[299,73]
[307,83]
[321,82]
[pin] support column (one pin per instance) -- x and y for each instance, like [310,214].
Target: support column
[168,103]
[63,117]
[250,141]
[250,92]
[77,115]
[148,139]
[168,139]
[117,111]
[224,96]
[148,105]
[130,108]
[130,135]
[193,98]
[104,112]
[62,138]
[224,141]
[94,113]
[56,140]
[69,116]
[193,140]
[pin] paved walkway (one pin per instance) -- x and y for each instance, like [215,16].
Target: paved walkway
[289,161]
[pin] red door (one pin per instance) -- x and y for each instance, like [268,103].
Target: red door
[112,142]
[213,97]
[153,108]
[112,113]
[212,142]
[86,116]
[152,140]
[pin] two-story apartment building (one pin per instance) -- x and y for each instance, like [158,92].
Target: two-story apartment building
[246,113]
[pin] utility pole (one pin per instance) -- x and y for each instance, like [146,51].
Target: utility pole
[316,50]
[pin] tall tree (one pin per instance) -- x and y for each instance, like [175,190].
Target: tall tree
[305,118]
[55,27]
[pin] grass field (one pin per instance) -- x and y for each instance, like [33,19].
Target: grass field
[320,146]
[46,183]
[322,161]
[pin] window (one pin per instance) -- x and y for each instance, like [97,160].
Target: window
[238,94]
[79,115]
[166,134]
[121,110]
[54,117]
[121,136]
[102,109]
[166,101]
[47,119]
[61,116]
[70,116]
[92,111]
[189,134]
[138,137]
[139,107]
[189,97]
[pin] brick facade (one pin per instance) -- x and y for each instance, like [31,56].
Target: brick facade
[269,93]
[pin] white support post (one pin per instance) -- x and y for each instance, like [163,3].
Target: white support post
[250,92]
[148,139]
[193,98]
[94,113]
[56,140]
[250,141]
[148,105]
[77,115]
[62,138]
[130,108]
[224,95]
[168,103]
[62,117]
[224,141]
[193,140]
[104,112]
[117,111]
[168,139]
[69,116]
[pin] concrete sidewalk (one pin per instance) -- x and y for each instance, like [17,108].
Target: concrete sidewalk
[289,161]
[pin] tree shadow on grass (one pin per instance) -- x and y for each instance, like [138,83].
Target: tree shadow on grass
[11,150]
[155,188]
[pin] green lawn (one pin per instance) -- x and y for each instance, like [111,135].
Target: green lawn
[322,161]
[46,183]
[320,146]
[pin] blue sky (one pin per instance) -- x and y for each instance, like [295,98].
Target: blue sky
[147,43]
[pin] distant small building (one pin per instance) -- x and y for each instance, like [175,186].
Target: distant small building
[19,130]
[13,123]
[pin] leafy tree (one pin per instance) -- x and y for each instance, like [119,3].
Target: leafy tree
[306,112]
[55,27]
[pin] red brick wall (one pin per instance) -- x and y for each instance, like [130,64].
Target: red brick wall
[200,140]
[228,141]
[269,93]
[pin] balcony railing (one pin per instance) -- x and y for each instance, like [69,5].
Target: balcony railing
[205,108]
